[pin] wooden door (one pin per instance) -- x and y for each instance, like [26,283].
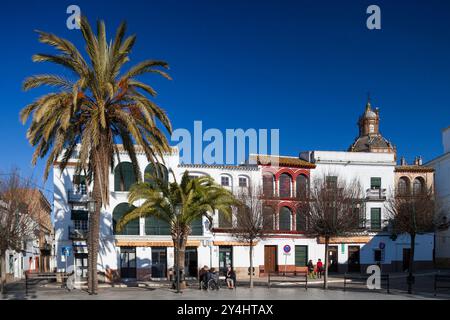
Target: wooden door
[333,259]
[270,258]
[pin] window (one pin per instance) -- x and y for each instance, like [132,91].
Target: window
[268,218]
[331,182]
[302,186]
[285,185]
[375,218]
[224,220]
[268,185]
[300,219]
[197,227]
[285,219]
[301,256]
[225,181]
[79,184]
[132,227]
[375,183]
[157,227]
[243,182]
[124,176]
[156,170]
[80,225]
[403,186]
[418,186]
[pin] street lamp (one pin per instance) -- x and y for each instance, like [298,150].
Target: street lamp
[177,261]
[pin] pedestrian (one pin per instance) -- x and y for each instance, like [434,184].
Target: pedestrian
[311,269]
[319,268]
[230,278]
[202,275]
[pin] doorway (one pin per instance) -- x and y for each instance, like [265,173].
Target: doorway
[128,262]
[81,266]
[190,262]
[332,259]
[159,262]
[225,259]
[353,259]
[270,259]
[406,258]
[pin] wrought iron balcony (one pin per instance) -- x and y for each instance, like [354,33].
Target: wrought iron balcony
[78,195]
[78,234]
[376,194]
[374,225]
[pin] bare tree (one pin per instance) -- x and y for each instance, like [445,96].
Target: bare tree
[250,218]
[334,210]
[17,224]
[412,213]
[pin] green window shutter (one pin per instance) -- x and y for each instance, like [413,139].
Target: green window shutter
[155,226]
[132,227]
[301,256]
[375,183]
[197,227]
[285,219]
[162,173]
[375,218]
[124,176]
[224,221]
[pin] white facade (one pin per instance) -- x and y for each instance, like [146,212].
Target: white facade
[441,166]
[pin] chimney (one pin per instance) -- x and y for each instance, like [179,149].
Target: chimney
[403,161]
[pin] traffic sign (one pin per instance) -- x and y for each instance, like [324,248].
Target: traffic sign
[287,249]
[66,251]
[382,245]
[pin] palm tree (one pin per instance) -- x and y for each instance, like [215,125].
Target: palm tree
[193,198]
[100,106]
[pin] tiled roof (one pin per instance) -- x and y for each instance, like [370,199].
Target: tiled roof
[219,166]
[282,161]
[413,168]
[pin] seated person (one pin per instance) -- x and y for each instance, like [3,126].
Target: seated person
[203,276]
[230,278]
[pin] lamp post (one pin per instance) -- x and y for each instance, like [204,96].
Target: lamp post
[177,260]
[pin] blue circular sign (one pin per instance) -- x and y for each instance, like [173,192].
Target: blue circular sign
[287,248]
[382,245]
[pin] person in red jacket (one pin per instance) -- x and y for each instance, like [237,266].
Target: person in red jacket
[319,269]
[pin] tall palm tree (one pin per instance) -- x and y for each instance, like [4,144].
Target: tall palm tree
[98,107]
[192,197]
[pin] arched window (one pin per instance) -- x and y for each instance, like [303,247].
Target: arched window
[285,185]
[285,219]
[403,186]
[224,220]
[156,170]
[268,184]
[268,218]
[301,219]
[124,176]
[226,180]
[155,226]
[418,186]
[302,186]
[132,227]
[243,181]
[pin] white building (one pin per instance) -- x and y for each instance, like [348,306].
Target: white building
[441,166]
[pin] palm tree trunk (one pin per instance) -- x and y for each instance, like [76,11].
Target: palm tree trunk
[181,260]
[94,230]
[2,272]
[251,264]
[325,276]
[411,263]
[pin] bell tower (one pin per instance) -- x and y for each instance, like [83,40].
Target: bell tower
[369,122]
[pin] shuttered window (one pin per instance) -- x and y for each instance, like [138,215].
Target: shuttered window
[375,218]
[285,219]
[197,227]
[132,227]
[301,256]
[124,176]
[155,226]
[156,170]
[375,183]
[224,221]
[285,185]
[268,185]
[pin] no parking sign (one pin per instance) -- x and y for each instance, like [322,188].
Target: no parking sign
[287,249]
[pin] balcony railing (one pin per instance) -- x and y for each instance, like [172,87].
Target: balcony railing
[77,234]
[376,194]
[374,225]
[78,195]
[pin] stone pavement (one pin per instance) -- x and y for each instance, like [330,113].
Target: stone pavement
[423,289]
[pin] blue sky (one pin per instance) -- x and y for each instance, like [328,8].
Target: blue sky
[304,67]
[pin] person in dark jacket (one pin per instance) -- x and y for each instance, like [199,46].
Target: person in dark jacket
[230,278]
[311,269]
[202,277]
